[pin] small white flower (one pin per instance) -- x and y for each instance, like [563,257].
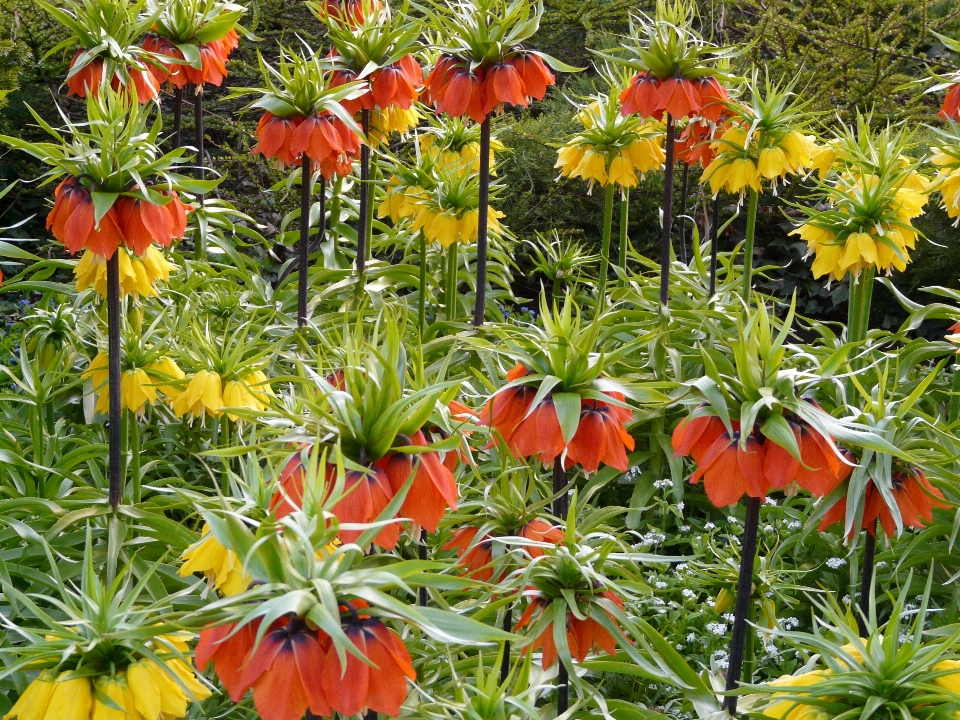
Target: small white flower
[732,519]
[658,601]
[717,628]
[794,525]
[686,528]
[770,501]
[681,567]
[835,563]
[661,585]
[681,505]
[689,594]
[709,526]
[728,617]
[691,637]
[789,623]
[768,528]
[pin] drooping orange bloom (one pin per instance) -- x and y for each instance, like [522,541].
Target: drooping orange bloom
[474,556]
[539,434]
[502,86]
[693,145]
[950,110]
[358,686]
[284,672]
[365,495]
[534,74]
[275,135]
[229,652]
[695,435]
[679,97]
[326,140]
[213,61]
[439,76]
[729,471]
[507,409]
[352,105]
[72,221]
[821,471]
[582,635]
[433,490]
[461,94]
[86,79]
[397,85]
[600,438]
[288,497]
[640,97]
[915,498]
[713,98]
[145,85]
[540,531]
[143,223]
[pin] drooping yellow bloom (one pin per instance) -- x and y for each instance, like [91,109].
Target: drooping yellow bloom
[252,392]
[166,373]
[33,703]
[773,162]
[621,172]
[394,119]
[137,387]
[824,158]
[800,148]
[592,167]
[203,395]
[221,566]
[568,158]
[646,154]
[951,680]
[792,709]
[138,275]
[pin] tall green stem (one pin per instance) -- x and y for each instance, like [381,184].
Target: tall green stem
[954,408]
[136,480]
[624,222]
[605,247]
[422,309]
[451,284]
[748,245]
[858,305]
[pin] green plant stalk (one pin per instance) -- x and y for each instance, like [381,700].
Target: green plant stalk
[624,220]
[362,227]
[605,247]
[556,289]
[714,239]
[858,305]
[748,245]
[422,305]
[136,480]
[953,413]
[451,282]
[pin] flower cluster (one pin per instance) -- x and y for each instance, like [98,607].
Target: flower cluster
[138,275]
[140,381]
[323,137]
[612,148]
[210,68]
[206,393]
[295,667]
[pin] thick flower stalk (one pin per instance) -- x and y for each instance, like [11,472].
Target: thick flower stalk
[305,123]
[762,141]
[610,151]
[677,77]
[108,56]
[484,67]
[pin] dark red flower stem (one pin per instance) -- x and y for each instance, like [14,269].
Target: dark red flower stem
[748,550]
[113,369]
[667,213]
[507,627]
[481,303]
[684,189]
[560,502]
[866,579]
[306,178]
[422,554]
[563,688]
[177,115]
[714,238]
[201,246]
[362,229]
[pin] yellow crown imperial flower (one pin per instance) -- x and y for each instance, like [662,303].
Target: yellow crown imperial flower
[773,163]
[138,385]
[394,119]
[138,275]
[801,148]
[203,395]
[252,392]
[592,167]
[621,172]
[568,158]
[646,154]
[791,709]
[221,566]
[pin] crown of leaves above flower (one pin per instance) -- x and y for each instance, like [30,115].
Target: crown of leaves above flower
[380,39]
[300,85]
[189,23]
[116,152]
[666,45]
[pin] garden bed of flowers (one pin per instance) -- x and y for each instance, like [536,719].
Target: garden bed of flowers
[370,486]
